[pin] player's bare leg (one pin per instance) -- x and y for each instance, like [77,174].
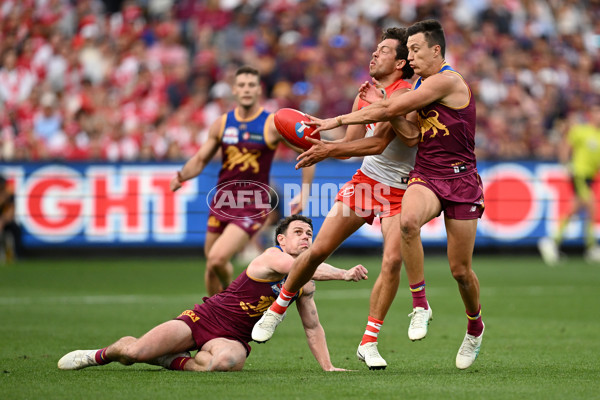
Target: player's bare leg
[461,241]
[219,250]
[340,223]
[159,346]
[386,286]
[419,205]
[171,337]
[383,293]
[219,355]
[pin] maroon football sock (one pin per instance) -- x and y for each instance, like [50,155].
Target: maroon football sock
[178,363]
[418,295]
[475,324]
[101,357]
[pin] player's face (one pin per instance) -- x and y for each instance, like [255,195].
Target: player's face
[246,89]
[383,62]
[298,237]
[420,55]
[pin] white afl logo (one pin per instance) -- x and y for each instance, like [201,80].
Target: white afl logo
[231,197]
[230,136]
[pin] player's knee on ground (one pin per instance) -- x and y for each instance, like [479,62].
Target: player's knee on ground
[226,361]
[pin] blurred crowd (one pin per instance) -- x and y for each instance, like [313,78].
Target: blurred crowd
[144,79]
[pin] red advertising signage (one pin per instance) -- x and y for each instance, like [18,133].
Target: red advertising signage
[131,204]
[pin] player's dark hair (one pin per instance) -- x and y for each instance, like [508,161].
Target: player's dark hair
[400,34]
[283,225]
[246,69]
[433,31]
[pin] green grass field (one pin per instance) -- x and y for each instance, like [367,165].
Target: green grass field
[542,337]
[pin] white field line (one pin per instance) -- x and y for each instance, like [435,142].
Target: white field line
[323,293]
[101,299]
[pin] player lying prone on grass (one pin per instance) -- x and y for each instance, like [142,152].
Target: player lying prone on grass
[220,328]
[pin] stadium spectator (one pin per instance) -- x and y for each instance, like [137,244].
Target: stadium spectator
[47,126]
[220,327]
[16,81]
[247,139]
[580,152]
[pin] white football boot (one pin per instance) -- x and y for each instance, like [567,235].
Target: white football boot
[469,350]
[419,322]
[78,359]
[265,327]
[369,354]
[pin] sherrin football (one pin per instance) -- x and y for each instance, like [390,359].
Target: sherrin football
[291,124]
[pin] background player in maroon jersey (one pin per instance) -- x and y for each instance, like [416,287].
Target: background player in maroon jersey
[247,138]
[220,327]
[445,176]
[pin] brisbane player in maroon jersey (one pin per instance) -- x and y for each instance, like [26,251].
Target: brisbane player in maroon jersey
[247,138]
[220,327]
[444,178]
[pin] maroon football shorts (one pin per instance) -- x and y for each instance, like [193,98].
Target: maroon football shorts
[204,327]
[461,197]
[250,220]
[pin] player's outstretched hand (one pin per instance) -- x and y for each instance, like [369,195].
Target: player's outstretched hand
[357,273]
[370,92]
[318,152]
[176,182]
[339,369]
[322,124]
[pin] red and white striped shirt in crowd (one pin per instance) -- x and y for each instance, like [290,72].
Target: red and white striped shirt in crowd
[16,85]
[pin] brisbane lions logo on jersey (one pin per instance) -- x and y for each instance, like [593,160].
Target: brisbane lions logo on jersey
[430,122]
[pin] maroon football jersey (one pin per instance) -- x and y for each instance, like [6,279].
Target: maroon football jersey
[447,146]
[240,306]
[246,154]
[247,158]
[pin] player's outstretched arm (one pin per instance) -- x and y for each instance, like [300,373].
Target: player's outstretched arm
[327,272]
[323,149]
[195,165]
[369,146]
[434,88]
[273,261]
[315,334]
